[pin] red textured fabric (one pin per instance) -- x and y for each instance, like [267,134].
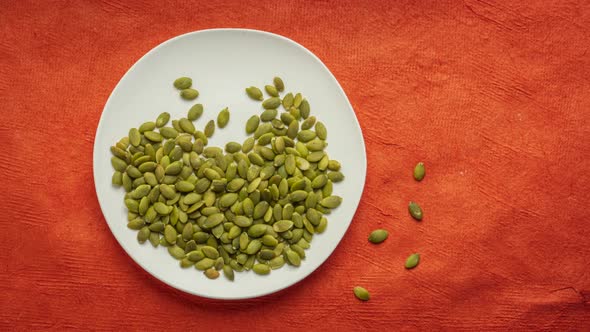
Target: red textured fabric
[494,97]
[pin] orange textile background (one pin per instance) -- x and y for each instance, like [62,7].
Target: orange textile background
[493,96]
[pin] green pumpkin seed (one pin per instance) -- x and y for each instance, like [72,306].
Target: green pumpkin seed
[293,258]
[271,90]
[233,147]
[334,165]
[223,118]
[147,126]
[282,226]
[182,83]
[335,176]
[186,125]
[278,82]
[321,131]
[297,100]
[204,264]
[268,115]
[143,234]
[209,128]
[210,252]
[412,261]
[415,211]
[252,124]
[377,236]
[253,247]
[419,171]
[261,269]
[162,119]
[254,93]
[176,251]
[331,202]
[304,109]
[272,102]
[170,234]
[228,272]
[117,178]
[195,112]
[189,94]
[256,231]
[308,123]
[361,293]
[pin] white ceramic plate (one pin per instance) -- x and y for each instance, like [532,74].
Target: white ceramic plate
[222,63]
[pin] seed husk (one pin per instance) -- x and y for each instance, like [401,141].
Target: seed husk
[419,171]
[361,293]
[254,93]
[412,261]
[415,211]
[189,94]
[377,236]
[223,118]
[182,83]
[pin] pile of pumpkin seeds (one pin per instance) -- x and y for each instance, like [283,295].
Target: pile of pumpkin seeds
[249,206]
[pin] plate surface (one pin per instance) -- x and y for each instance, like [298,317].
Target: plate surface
[222,62]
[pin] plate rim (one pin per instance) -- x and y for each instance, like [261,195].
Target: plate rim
[185,35]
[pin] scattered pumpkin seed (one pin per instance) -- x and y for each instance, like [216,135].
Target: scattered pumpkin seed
[412,261]
[378,236]
[361,293]
[419,171]
[415,211]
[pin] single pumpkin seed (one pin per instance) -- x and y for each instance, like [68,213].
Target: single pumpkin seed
[162,119]
[419,171]
[271,90]
[189,94]
[195,112]
[304,109]
[377,236]
[209,128]
[254,93]
[412,261]
[268,115]
[278,82]
[182,83]
[223,118]
[272,102]
[361,293]
[261,269]
[415,211]
[228,272]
